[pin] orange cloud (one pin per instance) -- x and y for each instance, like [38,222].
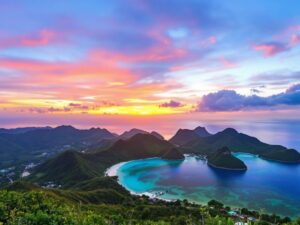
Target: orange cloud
[88,83]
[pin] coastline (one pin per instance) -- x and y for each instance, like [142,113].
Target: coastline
[113,170]
[245,153]
[156,196]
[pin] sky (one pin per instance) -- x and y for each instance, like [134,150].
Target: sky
[102,62]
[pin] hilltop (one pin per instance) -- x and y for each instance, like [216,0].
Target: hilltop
[223,159]
[185,136]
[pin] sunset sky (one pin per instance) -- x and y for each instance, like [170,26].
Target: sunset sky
[76,60]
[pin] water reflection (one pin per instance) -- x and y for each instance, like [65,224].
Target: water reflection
[227,174]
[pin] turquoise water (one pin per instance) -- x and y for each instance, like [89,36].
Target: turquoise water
[266,186]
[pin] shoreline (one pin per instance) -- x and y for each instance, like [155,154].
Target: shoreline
[246,153]
[113,170]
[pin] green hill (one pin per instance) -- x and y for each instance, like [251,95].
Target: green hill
[100,182]
[71,167]
[22,186]
[105,144]
[223,159]
[138,147]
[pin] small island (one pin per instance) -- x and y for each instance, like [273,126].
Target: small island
[223,159]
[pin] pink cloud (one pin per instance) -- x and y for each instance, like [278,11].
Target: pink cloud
[212,40]
[178,68]
[293,28]
[155,54]
[89,76]
[228,63]
[271,49]
[44,38]
[295,39]
[73,81]
[284,41]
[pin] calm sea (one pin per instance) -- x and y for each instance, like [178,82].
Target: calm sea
[266,186]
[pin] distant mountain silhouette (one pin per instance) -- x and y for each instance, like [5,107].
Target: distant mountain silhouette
[107,143]
[239,142]
[21,130]
[129,134]
[21,146]
[184,136]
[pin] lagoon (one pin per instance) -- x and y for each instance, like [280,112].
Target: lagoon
[266,186]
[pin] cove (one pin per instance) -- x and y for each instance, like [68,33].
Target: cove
[268,187]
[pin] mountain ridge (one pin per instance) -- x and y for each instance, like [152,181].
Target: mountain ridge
[72,165]
[239,142]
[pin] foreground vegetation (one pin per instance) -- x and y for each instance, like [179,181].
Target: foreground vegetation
[44,207]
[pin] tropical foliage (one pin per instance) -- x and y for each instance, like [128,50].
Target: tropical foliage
[40,208]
